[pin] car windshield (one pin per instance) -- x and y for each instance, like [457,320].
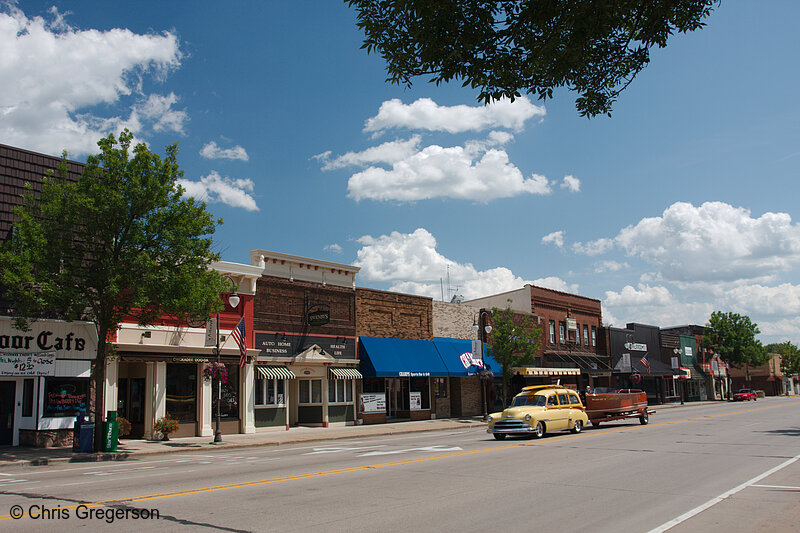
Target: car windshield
[744,391]
[527,399]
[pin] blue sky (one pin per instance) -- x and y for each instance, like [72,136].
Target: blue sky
[682,203]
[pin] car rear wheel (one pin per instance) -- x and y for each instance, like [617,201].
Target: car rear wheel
[498,436]
[596,423]
[644,419]
[539,431]
[577,427]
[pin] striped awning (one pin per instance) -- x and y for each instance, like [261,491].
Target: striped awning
[345,373]
[275,372]
[539,371]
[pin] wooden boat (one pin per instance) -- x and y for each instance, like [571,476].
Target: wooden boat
[617,404]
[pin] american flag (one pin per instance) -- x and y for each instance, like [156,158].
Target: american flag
[645,362]
[238,335]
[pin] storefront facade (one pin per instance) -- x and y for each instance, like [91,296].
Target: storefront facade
[160,370]
[45,376]
[636,356]
[306,372]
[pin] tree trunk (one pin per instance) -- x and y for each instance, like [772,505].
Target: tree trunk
[99,378]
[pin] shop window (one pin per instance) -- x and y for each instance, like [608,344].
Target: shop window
[585,335]
[27,397]
[65,396]
[310,391]
[270,392]
[229,408]
[340,391]
[421,385]
[440,387]
[562,332]
[182,391]
[552,332]
[374,385]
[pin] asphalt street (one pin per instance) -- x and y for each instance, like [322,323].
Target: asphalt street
[713,467]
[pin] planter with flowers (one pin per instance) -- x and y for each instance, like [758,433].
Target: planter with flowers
[166,425]
[124,426]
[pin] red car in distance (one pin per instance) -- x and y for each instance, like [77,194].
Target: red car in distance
[745,395]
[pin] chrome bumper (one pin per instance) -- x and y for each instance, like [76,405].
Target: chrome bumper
[510,427]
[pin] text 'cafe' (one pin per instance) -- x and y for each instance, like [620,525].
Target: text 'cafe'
[44,380]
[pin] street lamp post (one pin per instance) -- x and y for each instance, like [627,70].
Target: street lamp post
[481,334]
[676,351]
[233,301]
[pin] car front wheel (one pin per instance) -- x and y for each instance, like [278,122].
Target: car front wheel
[498,436]
[538,433]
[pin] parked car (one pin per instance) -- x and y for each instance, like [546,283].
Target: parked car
[537,410]
[745,395]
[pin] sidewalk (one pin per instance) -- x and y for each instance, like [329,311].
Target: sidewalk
[132,448]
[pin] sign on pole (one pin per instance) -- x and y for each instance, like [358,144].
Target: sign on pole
[211,332]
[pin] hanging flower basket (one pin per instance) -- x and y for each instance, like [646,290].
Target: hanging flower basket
[486,375]
[216,372]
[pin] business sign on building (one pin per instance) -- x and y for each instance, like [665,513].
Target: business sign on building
[67,340]
[28,364]
[290,345]
[372,402]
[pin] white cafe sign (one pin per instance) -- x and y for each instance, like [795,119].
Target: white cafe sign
[67,340]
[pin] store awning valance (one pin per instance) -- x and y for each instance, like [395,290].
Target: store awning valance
[275,372]
[345,373]
[460,360]
[533,371]
[381,357]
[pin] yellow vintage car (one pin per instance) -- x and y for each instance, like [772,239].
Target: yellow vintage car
[537,410]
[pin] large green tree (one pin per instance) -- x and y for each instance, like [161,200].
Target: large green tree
[504,49]
[513,342]
[790,356]
[733,337]
[121,241]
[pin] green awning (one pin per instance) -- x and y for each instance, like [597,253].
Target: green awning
[345,373]
[275,372]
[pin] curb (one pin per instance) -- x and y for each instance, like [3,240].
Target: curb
[96,457]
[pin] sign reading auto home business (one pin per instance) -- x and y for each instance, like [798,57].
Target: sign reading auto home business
[289,345]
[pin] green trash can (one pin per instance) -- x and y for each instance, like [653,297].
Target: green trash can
[110,432]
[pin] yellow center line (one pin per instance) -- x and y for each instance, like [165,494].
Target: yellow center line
[310,475]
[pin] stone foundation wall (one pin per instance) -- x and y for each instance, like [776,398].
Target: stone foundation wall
[51,438]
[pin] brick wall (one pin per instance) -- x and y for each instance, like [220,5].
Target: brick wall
[393,315]
[453,321]
[280,305]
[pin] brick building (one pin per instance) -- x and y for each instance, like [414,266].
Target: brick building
[304,319]
[571,349]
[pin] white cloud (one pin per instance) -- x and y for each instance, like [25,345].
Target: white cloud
[335,248]
[641,296]
[779,300]
[425,114]
[571,183]
[600,246]
[410,263]
[212,151]
[387,153]
[466,173]
[609,266]
[53,74]
[217,189]
[714,241]
[557,238]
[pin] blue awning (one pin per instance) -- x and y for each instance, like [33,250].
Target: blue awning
[382,357]
[459,359]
